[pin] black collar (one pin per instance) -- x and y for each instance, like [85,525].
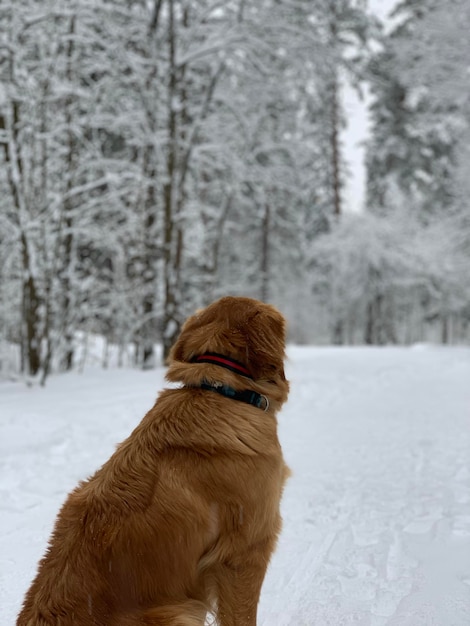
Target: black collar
[248,396]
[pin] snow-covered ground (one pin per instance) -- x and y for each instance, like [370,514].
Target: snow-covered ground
[376,515]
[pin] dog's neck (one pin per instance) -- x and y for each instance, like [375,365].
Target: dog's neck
[250,397]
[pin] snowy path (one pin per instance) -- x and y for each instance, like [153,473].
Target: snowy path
[376,515]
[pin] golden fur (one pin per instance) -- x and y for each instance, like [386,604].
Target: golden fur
[184,516]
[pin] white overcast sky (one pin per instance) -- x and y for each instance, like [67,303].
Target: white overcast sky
[356,132]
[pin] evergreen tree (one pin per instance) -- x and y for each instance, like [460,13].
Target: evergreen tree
[417,124]
[419,148]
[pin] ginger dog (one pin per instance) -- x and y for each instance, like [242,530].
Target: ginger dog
[183,518]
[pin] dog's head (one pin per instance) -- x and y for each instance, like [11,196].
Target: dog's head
[243,329]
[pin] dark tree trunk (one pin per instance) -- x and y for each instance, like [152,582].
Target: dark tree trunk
[338,333]
[445,334]
[265,234]
[335,159]
[67,221]
[172,231]
[335,115]
[150,255]
[32,346]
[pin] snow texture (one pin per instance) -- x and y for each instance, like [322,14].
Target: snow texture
[376,515]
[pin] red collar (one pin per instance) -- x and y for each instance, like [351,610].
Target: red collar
[223,361]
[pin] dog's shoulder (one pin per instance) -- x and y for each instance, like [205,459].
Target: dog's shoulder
[207,423]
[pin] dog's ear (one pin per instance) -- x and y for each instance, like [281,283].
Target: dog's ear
[265,335]
[213,329]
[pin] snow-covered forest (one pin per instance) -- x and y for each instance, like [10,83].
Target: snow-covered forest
[156,154]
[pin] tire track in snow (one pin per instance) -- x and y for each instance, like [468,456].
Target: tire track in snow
[297,587]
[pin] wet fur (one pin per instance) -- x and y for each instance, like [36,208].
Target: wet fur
[184,516]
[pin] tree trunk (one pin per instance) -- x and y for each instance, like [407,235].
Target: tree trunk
[172,231]
[31,347]
[335,116]
[150,259]
[66,244]
[265,233]
[338,333]
[335,159]
[445,334]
